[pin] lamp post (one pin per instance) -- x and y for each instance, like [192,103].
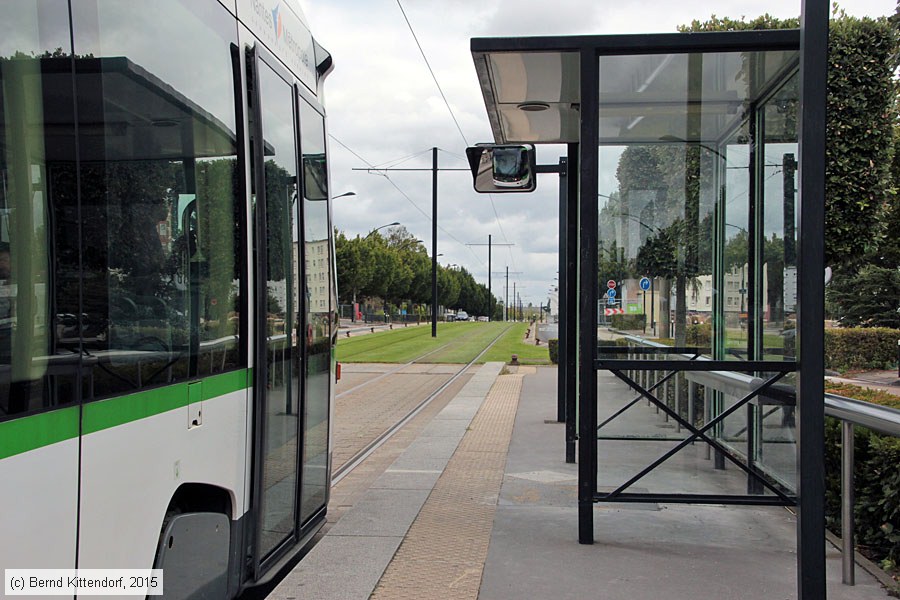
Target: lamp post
[407,244]
[371,233]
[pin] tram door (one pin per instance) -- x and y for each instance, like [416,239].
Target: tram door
[278,360]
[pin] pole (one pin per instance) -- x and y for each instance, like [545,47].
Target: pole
[490,296]
[644,298]
[848,564]
[490,245]
[434,252]
[506,298]
[515,314]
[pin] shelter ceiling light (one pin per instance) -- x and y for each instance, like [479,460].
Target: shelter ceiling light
[533,106]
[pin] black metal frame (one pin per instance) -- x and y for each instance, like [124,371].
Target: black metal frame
[579,305]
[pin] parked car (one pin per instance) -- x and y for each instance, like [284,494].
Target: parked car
[462,315]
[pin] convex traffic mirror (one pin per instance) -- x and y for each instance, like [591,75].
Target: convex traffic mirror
[502,168]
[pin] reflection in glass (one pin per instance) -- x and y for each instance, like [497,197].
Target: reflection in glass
[696,227]
[27,340]
[159,193]
[318,297]
[779,254]
[736,260]
[658,224]
[121,243]
[279,477]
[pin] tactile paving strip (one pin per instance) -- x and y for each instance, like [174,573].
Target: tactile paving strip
[443,554]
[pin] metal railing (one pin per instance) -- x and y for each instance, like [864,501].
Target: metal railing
[850,412]
[871,416]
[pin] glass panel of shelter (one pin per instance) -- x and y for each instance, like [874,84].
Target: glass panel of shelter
[696,198]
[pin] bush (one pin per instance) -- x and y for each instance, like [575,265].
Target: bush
[877,479]
[699,336]
[877,507]
[861,348]
[874,396]
[627,322]
[553,346]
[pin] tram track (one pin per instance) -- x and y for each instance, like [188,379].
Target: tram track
[359,457]
[392,371]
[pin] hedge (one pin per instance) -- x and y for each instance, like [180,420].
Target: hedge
[699,336]
[553,347]
[861,348]
[628,322]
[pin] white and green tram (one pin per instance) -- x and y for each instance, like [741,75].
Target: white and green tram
[167,288]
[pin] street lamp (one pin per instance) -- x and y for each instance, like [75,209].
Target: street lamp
[407,244]
[371,233]
[343,195]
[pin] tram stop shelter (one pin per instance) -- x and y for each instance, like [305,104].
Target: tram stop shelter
[693,188]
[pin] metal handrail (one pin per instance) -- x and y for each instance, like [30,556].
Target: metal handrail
[882,419]
[850,412]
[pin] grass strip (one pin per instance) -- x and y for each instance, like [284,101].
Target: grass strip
[465,349]
[403,345]
[513,342]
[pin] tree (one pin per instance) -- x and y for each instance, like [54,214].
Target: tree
[354,265]
[660,189]
[447,287]
[390,276]
[876,291]
[862,224]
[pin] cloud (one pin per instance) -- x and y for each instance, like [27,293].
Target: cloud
[382,102]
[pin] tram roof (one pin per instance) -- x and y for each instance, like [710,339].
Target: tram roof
[649,83]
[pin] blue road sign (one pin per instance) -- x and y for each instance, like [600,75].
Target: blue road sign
[611,292]
[645,283]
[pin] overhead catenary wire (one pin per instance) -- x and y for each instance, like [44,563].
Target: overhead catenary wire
[449,109]
[375,171]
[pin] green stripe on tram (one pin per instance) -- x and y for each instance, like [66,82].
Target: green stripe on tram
[134,407]
[36,431]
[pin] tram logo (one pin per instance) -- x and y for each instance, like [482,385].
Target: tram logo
[284,32]
[277,25]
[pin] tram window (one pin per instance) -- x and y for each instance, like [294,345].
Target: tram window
[36,370]
[317,240]
[159,193]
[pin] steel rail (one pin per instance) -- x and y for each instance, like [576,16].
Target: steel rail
[358,458]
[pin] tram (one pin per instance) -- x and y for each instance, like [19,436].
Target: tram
[167,289]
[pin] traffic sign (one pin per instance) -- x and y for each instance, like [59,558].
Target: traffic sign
[611,283]
[645,283]
[613,311]
[611,292]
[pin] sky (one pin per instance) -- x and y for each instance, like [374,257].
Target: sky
[385,110]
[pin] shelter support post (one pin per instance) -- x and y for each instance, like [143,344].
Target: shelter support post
[587,296]
[810,296]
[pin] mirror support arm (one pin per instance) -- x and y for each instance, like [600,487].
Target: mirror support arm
[554,168]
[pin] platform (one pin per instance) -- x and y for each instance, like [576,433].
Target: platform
[482,505]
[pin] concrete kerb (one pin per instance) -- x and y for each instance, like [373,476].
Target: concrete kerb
[368,535]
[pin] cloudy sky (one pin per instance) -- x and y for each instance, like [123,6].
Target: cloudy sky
[385,109]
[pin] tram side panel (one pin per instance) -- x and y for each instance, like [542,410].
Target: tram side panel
[133,470]
[39,519]
[39,420]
